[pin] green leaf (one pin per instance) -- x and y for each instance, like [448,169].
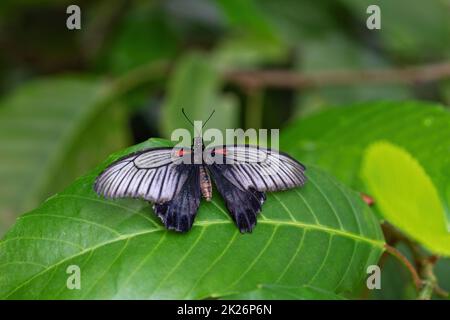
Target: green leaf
[249,18]
[46,137]
[405,195]
[410,29]
[321,235]
[195,86]
[441,271]
[276,292]
[145,36]
[297,21]
[336,140]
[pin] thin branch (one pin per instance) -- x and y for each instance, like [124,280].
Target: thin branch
[441,292]
[430,280]
[397,254]
[424,263]
[293,80]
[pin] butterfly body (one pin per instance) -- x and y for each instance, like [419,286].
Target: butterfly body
[175,179]
[205,183]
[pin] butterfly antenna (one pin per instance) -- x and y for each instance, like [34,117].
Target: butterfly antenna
[182,110]
[208,118]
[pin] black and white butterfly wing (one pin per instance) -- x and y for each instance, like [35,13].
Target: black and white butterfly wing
[251,167]
[157,175]
[153,175]
[179,213]
[244,205]
[243,173]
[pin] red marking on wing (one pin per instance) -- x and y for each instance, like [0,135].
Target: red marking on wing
[182,152]
[221,151]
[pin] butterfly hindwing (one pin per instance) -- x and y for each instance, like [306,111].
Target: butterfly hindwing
[179,213]
[244,205]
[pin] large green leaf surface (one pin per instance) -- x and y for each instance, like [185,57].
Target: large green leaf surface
[321,235]
[46,139]
[337,139]
[277,292]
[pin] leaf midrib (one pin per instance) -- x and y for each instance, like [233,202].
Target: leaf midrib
[275,223]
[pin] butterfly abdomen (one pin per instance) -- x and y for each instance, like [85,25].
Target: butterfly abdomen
[205,184]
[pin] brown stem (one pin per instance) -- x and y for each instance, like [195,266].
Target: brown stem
[424,264]
[294,80]
[397,254]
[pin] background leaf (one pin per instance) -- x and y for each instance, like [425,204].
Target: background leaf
[321,235]
[417,29]
[246,16]
[46,130]
[405,195]
[336,140]
[441,272]
[145,36]
[297,21]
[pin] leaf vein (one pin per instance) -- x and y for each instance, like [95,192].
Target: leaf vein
[294,256]
[263,250]
[180,261]
[319,269]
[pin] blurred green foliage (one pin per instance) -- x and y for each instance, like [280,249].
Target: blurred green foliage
[46,137]
[70,98]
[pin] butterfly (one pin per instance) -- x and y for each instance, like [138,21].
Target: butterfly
[174,179]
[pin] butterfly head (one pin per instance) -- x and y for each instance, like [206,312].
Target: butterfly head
[189,120]
[197,142]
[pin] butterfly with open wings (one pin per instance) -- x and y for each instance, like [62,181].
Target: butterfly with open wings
[174,180]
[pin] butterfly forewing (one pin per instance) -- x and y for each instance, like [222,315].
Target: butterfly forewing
[153,175]
[254,167]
